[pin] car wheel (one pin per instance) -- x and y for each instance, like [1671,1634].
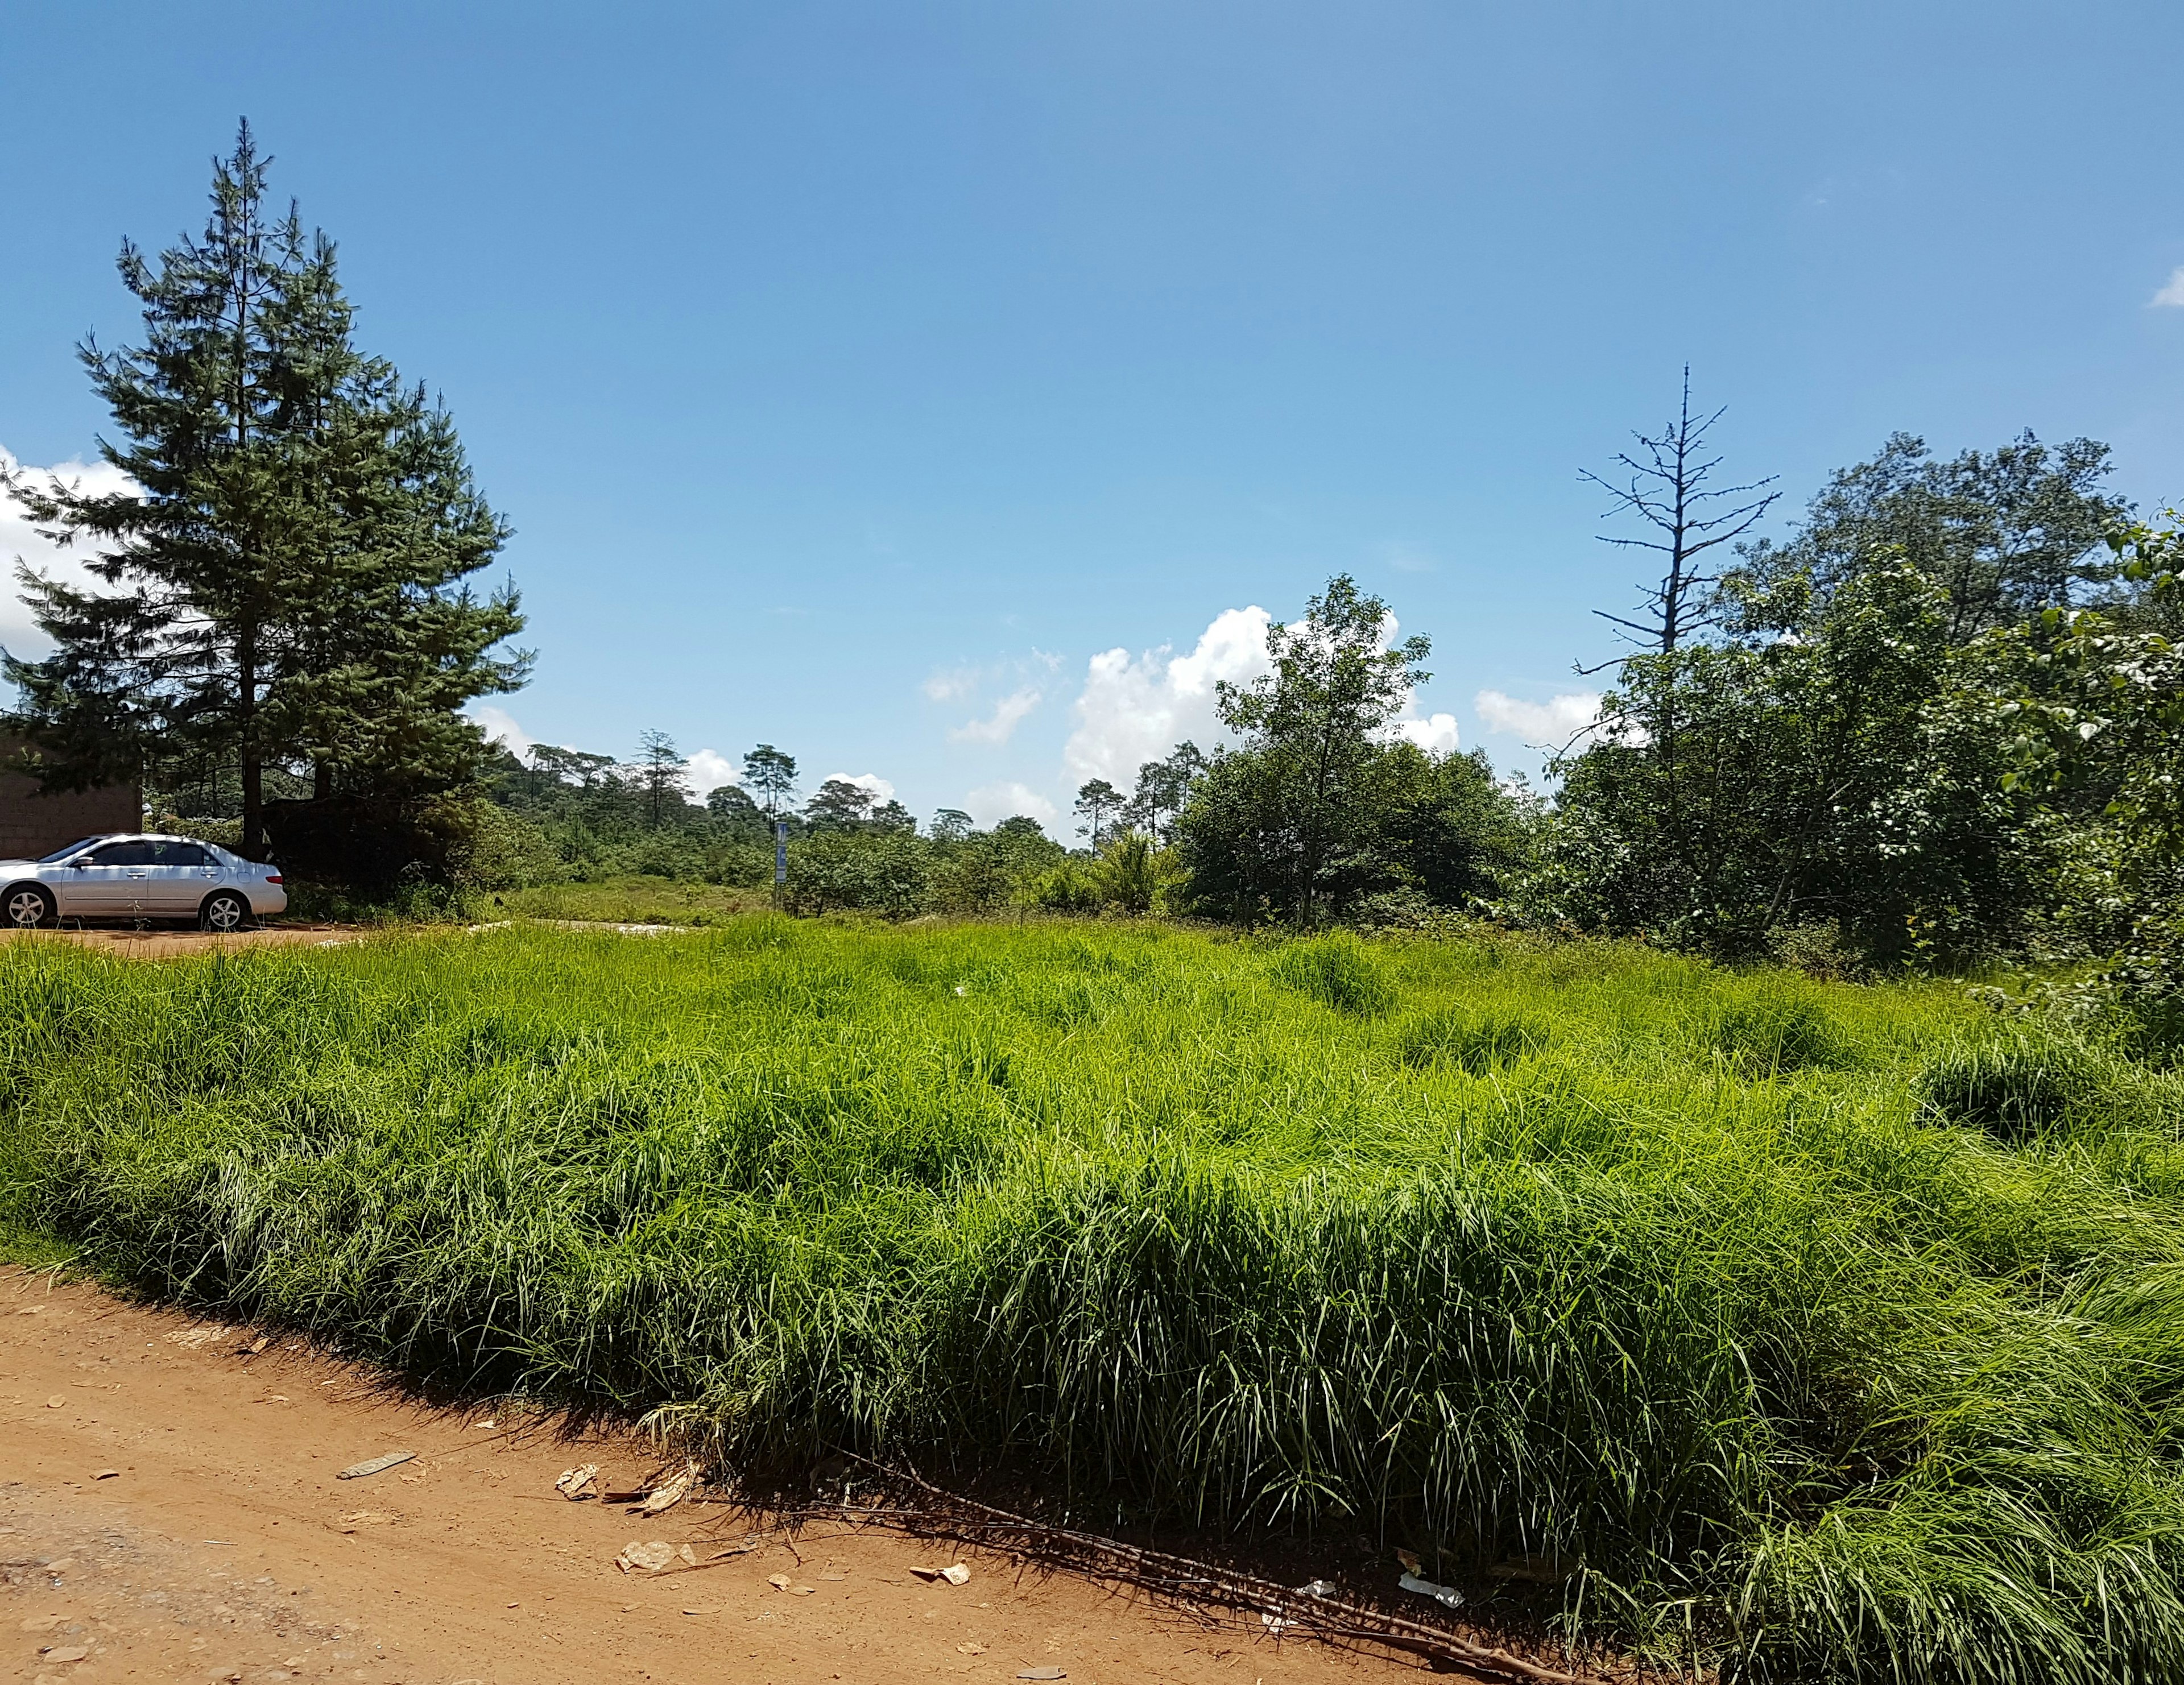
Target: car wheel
[224,913]
[29,908]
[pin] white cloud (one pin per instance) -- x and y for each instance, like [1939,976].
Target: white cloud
[1406,557]
[2171,295]
[1136,710]
[991,804]
[709,768]
[1002,725]
[499,726]
[18,538]
[946,686]
[1434,733]
[882,790]
[1548,724]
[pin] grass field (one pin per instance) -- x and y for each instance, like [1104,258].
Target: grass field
[1839,1330]
[630,901]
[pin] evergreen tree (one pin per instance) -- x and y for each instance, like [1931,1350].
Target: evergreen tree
[283,581]
[770,775]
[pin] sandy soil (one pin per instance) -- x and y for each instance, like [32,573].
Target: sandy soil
[165,944]
[169,1510]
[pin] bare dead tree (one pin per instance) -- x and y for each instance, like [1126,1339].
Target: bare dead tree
[1667,491]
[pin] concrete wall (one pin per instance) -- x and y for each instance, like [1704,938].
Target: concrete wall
[33,824]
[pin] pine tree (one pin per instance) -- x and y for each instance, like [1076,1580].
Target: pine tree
[284,584]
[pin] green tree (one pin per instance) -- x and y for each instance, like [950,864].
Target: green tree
[770,776]
[1096,798]
[660,772]
[2004,533]
[1163,790]
[1277,826]
[839,805]
[952,825]
[282,578]
[1836,765]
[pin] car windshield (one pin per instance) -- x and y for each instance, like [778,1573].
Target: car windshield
[62,854]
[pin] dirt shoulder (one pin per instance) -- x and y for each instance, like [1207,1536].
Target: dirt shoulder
[166,945]
[169,1510]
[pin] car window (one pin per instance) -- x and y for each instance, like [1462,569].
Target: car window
[62,854]
[179,854]
[135,853]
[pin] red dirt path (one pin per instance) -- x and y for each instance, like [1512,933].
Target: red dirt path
[222,1547]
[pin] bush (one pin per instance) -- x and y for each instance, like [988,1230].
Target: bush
[1067,887]
[1338,971]
[881,872]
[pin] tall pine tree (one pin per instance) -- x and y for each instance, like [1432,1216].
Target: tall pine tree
[285,583]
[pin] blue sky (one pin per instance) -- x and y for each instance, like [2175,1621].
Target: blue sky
[897,382]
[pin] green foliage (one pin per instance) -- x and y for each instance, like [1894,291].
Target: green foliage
[1336,971]
[1476,1039]
[834,871]
[282,590]
[2014,1088]
[1779,1027]
[2000,535]
[1782,1366]
[1835,764]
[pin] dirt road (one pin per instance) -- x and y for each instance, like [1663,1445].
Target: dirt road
[165,944]
[169,1510]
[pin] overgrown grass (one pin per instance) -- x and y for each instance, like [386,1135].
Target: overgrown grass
[1806,1323]
[628,901]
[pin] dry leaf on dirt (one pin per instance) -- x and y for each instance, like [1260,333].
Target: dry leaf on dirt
[666,1494]
[67,1653]
[367,1518]
[971,1650]
[1409,1558]
[956,1574]
[651,1556]
[194,1337]
[778,1582]
[1042,1673]
[106,1474]
[581,1481]
[705,1608]
[57,1401]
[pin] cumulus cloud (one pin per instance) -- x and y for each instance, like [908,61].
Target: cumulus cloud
[499,726]
[1550,723]
[709,769]
[999,725]
[2171,296]
[18,538]
[991,804]
[882,790]
[1434,733]
[1135,710]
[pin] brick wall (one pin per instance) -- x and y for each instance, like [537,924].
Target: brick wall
[33,824]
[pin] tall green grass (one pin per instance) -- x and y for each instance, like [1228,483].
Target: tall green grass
[1837,1332]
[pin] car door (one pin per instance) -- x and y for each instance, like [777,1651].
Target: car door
[178,878]
[114,881]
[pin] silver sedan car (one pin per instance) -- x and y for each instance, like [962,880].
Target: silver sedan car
[135,877]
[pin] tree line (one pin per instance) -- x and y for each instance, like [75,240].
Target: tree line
[1934,726]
